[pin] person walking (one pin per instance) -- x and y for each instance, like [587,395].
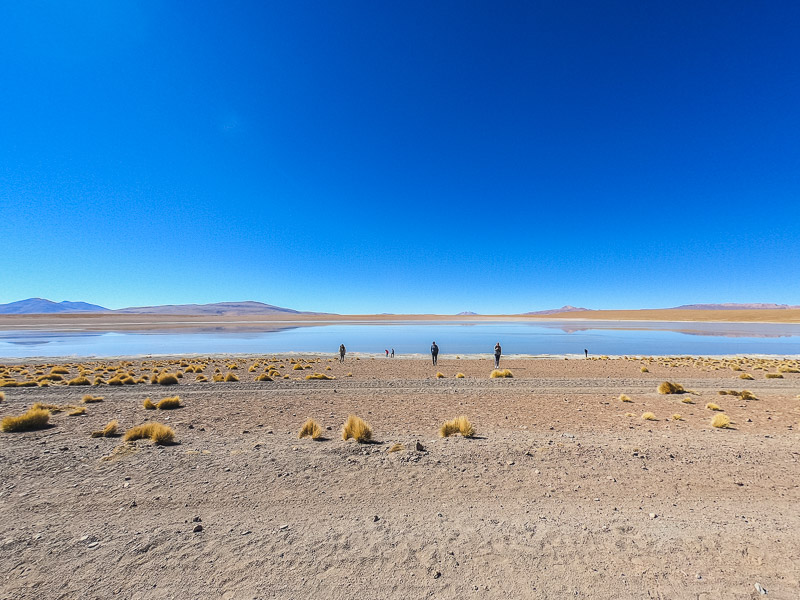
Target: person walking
[387,353]
[586,352]
[392,352]
[342,351]
[497,352]
[434,353]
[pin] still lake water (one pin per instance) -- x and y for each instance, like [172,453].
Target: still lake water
[540,338]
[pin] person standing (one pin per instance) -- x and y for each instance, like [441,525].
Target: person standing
[342,351]
[434,353]
[586,352]
[497,352]
[392,352]
[387,353]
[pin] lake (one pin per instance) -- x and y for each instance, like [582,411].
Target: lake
[462,337]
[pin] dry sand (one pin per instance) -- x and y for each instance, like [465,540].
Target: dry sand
[560,495]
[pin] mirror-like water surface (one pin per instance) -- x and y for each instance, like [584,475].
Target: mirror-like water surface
[542,337]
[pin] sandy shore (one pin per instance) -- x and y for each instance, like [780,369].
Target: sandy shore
[565,492]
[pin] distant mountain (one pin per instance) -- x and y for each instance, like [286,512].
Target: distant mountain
[42,306]
[554,311]
[732,306]
[466,313]
[218,308]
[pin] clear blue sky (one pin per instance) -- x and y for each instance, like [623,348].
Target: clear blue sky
[400,156]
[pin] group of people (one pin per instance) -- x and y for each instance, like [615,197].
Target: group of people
[434,353]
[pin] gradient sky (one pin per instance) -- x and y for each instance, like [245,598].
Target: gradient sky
[410,156]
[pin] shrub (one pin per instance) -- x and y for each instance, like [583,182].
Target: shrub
[53,408]
[109,430]
[88,399]
[687,400]
[712,406]
[644,370]
[230,377]
[356,428]
[676,417]
[201,378]
[310,429]
[169,403]
[77,411]
[624,398]
[349,375]
[148,404]
[9,383]
[217,378]
[395,448]
[439,375]
[773,376]
[746,395]
[59,371]
[501,373]
[459,376]
[2,396]
[35,418]
[458,425]
[297,367]
[160,434]
[263,377]
[648,416]
[721,421]
[80,380]
[746,376]
[168,379]
[318,376]
[667,387]
[787,369]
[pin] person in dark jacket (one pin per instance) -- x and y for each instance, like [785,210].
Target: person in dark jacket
[342,352]
[497,352]
[434,352]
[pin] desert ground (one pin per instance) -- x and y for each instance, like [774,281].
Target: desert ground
[565,490]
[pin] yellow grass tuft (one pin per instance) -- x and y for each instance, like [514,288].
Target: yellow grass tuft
[712,406]
[687,400]
[35,418]
[667,387]
[747,395]
[459,376]
[787,369]
[395,448]
[773,376]
[89,399]
[81,380]
[201,378]
[53,408]
[169,403]
[356,428]
[148,404]
[77,411]
[349,375]
[644,370]
[310,429]
[2,396]
[230,377]
[648,416]
[160,434]
[59,371]
[109,430]
[721,421]
[263,377]
[458,425]
[746,376]
[624,398]
[168,379]
[677,417]
[297,367]
[318,376]
[501,373]
[439,375]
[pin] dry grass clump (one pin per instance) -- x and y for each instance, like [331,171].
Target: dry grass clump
[109,430]
[201,379]
[89,399]
[53,408]
[501,373]
[667,387]
[439,375]
[687,400]
[160,434]
[624,398]
[787,369]
[35,418]
[318,376]
[644,370]
[677,417]
[458,425]
[648,416]
[459,376]
[747,395]
[2,396]
[746,376]
[712,406]
[230,377]
[263,377]
[148,404]
[59,371]
[80,380]
[721,421]
[77,411]
[356,428]
[773,376]
[169,403]
[395,448]
[297,367]
[167,379]
[310,429]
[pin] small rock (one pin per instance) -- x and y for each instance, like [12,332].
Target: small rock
[284,527]
[437,575]
[196,519]
[191,426]
[197,528]
[510,462]
[419,447]
[698,576]
[132,504]
[653,515]
[760,589]
[375,519]
[93,545]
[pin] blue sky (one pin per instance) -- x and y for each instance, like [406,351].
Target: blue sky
[415,157]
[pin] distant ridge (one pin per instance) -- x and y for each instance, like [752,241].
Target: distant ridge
[554,311]
[733,306]
[42,306]
[467,313]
